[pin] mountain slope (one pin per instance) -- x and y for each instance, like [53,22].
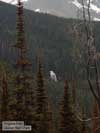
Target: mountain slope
[56,7]
[64,8]
[42,30]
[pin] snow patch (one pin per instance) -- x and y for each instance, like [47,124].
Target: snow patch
[94,8]
[37,10]
[96,19]
[53,76]
[77,4]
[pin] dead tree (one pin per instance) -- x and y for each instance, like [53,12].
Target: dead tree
[92,54]
[85,33]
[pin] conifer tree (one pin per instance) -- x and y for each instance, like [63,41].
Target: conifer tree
[21,63]
[96,122]
[41,94]
[24,90]
[50,119]
[68,122]
[74,98]
[43,112]
[4,106]
[4,101]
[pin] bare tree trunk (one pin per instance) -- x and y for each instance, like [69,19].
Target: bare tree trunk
[91,50]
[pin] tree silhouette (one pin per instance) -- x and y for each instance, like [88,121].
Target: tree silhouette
[4,99]
[96,122]
[44,114]
[24,89]
[68,122]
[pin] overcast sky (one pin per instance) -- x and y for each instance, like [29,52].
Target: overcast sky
[64,8]
[56,7]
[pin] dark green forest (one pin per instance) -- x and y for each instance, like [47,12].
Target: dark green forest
[26,90]
[41,30]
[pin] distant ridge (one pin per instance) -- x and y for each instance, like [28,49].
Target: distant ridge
[42,30]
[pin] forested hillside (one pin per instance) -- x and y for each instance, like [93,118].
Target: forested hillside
[27,90]
[48,32]
[42,30]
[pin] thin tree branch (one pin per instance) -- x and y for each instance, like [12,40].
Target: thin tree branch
[87,119]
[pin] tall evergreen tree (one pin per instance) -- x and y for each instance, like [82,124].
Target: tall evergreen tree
[74,87]
[50,119]
[41,94]
[4,107]
[24,90]
[22,62]
[68,122]
[43,112]
[95,122]
[4,101]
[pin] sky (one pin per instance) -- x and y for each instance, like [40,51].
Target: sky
[56,7]
[65,8]
[12,1]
